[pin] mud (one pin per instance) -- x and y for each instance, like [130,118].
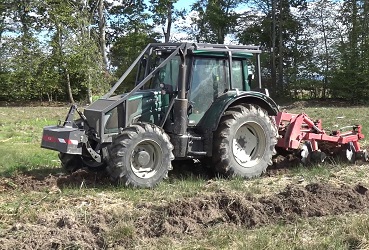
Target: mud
[194,215]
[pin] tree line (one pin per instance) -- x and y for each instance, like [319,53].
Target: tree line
[73,50]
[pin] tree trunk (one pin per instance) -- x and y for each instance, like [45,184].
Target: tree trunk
[326,54]
[169,24]
[280,49]
[273,57]
[102,28]
[69,88]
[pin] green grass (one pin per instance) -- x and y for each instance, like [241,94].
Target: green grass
[20,138]
[25,157]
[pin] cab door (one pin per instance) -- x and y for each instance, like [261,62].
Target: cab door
[208,81]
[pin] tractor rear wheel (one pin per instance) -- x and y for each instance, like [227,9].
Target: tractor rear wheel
[140,156]
[244,142]
[70,163]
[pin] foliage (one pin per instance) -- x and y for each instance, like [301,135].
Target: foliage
[165,14]
[73,51]
[350,78]
[214,20]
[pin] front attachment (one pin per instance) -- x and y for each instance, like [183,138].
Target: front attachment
[62,139]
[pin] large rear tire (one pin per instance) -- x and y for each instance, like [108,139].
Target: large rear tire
[244,142]
[140,156]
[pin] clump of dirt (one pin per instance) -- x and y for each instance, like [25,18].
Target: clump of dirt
[282,164]
[192,216]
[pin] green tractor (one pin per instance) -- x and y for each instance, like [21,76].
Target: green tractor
[190,101]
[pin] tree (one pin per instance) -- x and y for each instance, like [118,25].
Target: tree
[131,34]
[321,20]
[21,53]
[102,32]
[214,20]
[165,14]
[350,76]
[278,30]
[74,52]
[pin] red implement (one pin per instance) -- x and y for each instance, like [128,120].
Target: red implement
[296,129]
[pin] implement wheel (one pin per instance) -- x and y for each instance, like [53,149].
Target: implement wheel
[244,142]
[350,152]
[140,156]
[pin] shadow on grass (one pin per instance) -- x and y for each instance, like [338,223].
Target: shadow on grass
[191,169]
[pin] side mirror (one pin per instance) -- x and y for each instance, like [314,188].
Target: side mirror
[249,79]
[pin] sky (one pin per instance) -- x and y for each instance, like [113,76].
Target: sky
[184,4]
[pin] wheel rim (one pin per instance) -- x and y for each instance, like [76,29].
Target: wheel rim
[146,158]
[249,144]
[350,152]
[306,150]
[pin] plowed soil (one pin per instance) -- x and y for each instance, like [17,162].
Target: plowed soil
[313,200]
[60,229]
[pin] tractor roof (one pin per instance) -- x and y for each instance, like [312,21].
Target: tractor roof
[237,54]
[221,50]
[182,49]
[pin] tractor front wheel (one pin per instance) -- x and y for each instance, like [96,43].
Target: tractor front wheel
[244,142]
[140,156]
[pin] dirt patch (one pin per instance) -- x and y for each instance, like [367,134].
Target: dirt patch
[26,182]
[194,215]
[283,163]
[58,230]
[53,182]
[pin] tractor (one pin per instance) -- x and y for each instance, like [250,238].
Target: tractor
[189,101]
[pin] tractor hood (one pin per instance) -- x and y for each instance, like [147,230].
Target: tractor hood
[104,105]
[106,115]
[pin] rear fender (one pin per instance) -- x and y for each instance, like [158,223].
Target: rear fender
[211,119]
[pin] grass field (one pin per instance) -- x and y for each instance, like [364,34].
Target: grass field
[322,206]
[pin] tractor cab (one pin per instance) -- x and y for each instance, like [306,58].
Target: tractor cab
[212,76]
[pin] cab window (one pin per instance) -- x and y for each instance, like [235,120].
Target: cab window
[237,74]
[208,81]
[167,75]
